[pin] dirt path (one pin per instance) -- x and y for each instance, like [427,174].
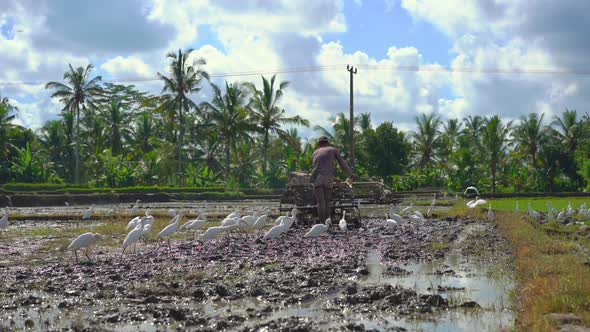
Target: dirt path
[444,274]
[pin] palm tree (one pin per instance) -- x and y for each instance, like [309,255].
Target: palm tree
[494,141]
[364,122]
[339,134]
[184,80]
[144,133]
[569,132]
[426,139]
[117,121]
[78,95]
[449,138]
[230,115]
[528,135]
[7,116]
[53,142]
[268,115]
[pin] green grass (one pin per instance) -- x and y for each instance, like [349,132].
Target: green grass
[539,204]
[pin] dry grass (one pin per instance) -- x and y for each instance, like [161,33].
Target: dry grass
[550,273]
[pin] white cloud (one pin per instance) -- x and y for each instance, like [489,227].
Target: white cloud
[128,67]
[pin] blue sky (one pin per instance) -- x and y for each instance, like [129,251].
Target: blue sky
[374,26]
[129,39]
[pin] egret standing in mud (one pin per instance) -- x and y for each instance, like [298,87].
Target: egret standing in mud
[342,222]
[490,213]
[390,223]
[281,228]
[85,240]
[171,229]
[133,236]
[88,213]
[319,229]
[135,208]
[4,220]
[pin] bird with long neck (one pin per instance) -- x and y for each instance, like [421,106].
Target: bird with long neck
[133,236]
[4,220]
[85,240]
[171,229]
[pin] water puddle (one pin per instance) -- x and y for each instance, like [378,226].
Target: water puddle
[456,279]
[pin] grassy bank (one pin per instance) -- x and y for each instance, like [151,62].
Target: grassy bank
[551,271]
[552,266]
[539,204]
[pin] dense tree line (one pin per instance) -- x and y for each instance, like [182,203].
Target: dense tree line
[114,135]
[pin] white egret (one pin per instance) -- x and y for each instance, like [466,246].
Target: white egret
[471,188]
[490,213]
[429,212]
[131,224]
[110,212]
[477,203]
[260,222]
[4,220]
[407,209]
[85,240]
[288,221]
[415,218]
[135,208]
[172,213]
[397,217]
[88,213]
[319,229]
[342,222]
[250,219]
[390,223]
[148,212]
[133,236]
[171,228]
[419,214]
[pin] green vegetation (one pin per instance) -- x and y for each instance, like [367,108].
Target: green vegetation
[551,274]
[539,204]
[115,136]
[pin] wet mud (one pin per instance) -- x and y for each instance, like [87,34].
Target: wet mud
[449,274]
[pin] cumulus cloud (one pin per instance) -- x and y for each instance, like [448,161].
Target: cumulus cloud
[129,67]
[130,39]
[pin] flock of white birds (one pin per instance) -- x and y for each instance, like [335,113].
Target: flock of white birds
[140,227]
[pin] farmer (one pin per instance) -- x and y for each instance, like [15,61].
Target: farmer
[322,175]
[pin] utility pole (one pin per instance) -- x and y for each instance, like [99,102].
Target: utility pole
[352,72]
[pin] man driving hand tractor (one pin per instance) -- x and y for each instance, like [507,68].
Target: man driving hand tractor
[322,175]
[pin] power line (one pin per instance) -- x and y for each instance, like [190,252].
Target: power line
[296,70]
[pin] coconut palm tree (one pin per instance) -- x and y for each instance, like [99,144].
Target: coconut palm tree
[568,132]
[184,79]
[53,143]
[78,94]
[427,137]
[7,116]
[339,134]
[269,116]
[118,124]
[494,141]
[528,136]
[449,139]
[364,122]
[229,112]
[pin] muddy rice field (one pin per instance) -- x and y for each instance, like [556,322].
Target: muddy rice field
[445,274]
